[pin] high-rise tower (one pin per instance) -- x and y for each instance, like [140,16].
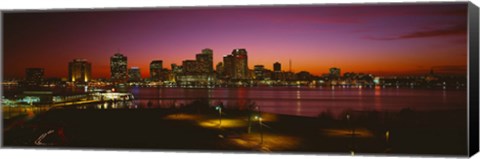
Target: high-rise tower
[79,71]
[118,68]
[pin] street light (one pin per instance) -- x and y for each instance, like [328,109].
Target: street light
[219,108]
[250,113]
[387,135]
[387,140]
[353,134]
[261,130]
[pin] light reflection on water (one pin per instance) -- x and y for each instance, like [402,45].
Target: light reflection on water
[299,103]
[303,101]
[111,105]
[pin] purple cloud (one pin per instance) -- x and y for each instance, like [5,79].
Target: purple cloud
[449,31]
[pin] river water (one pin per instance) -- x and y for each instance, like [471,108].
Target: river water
[308,101]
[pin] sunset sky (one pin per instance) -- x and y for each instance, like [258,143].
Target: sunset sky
[384,39]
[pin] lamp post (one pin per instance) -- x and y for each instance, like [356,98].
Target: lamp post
[219,108]
[351,125]
[259,118]
[352,151]
[250,112]
[261,130]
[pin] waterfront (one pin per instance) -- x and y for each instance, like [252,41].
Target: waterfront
[294,119]
[309,101]
[283,79]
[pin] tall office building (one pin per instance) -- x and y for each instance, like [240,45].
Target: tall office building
[79,71]
[166,75]
[258,72]
[240,64]
[34,76]
[207,51]
[335,72]
[156,70]
[118,68]
[219,69]
[190,67]
[134,74]
[228,66]
[176,69]
[205,61]
[277,67]
[235,65]
[277,71]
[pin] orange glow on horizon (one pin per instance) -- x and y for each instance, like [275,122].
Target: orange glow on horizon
[314,38]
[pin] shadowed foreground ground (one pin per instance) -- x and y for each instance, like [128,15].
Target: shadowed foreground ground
[405,132]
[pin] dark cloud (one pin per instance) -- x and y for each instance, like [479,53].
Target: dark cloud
[460,29]
[450,69]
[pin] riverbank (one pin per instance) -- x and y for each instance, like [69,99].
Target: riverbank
[197,127]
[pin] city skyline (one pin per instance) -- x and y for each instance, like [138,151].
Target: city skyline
[350,79]
[314,38]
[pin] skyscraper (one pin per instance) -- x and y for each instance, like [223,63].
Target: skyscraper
[176,69]
[156,68]
[134,74]
[207,51]
[79,71]
[118,68]
[277,71]
[166,75]
[258,72]
[240,64]
[277,67]
[219,68]
[235,65]
[228,67]
[190,67]
[34,76]
[205,61]
[335,73]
